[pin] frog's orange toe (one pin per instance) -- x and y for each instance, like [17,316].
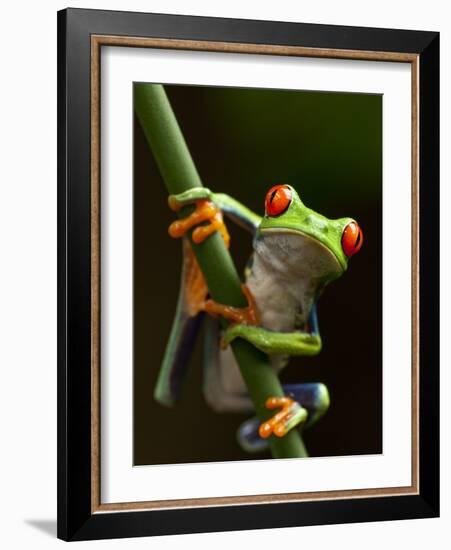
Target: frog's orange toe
[205,211]
[265,430]
[282,422]
[177,229]
[280,430]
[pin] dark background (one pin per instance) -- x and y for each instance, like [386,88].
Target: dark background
[243,141]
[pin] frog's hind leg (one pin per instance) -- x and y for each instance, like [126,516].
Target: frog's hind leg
[248,437]
[185,328]
[224,388]
[314,397]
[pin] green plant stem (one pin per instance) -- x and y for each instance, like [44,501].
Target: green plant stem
[179,174]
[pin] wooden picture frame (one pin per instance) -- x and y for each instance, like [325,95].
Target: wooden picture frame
[81,35]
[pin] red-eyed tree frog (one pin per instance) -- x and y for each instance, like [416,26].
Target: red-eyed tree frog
[296,253]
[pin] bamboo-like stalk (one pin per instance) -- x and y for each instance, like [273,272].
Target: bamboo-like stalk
[179,174]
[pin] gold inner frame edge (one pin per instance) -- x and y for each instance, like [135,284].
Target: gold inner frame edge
[97,41]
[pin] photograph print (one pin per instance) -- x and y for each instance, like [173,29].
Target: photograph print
[257,274]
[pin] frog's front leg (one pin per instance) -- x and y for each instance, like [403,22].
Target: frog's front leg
[237,212]
[244,316]
[205,211]
[275,343]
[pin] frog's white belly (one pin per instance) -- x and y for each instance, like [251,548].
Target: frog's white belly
[287,272]
[283,300]
[286,275]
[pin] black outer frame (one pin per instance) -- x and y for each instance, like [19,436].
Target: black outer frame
[75,520]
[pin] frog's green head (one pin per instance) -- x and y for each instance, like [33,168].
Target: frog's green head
[286,213]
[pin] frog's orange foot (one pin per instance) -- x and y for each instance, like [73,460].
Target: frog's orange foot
[291,415]
[205,211]
[239,315]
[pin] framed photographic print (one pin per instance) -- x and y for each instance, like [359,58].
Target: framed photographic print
[248,274]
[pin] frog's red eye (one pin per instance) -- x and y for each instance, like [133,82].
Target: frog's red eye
[278,199]
[352,239]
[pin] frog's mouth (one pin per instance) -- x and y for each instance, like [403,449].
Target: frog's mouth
[293,251]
